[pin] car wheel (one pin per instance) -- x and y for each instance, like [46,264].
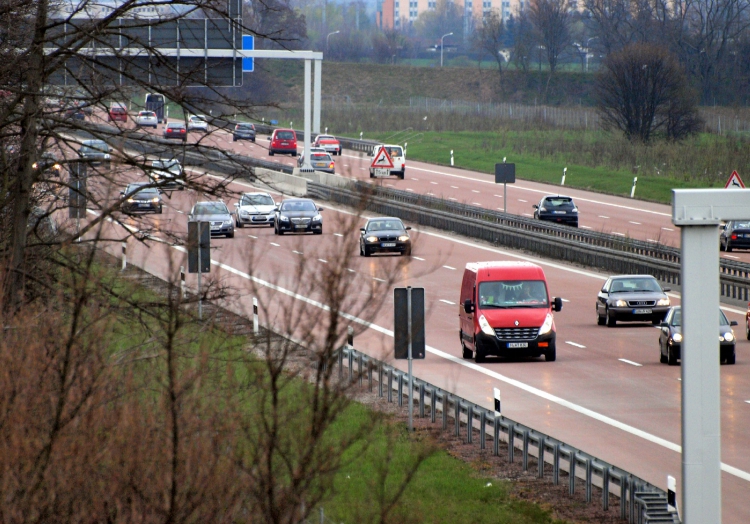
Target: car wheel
[656,321]
[662,357]
[318,232]
[234,139]
[161,210]
[372,175]
[402,174]
[728,248]
[367,252]
[721,245]
[240,225]
[671,359]
[611,321]
[732,358]
[551,354]
[407,252]
[270,153]
[747,329]
[230,235]
[253,140]
[281,231]
[479,356]
[600,320]
[465,352]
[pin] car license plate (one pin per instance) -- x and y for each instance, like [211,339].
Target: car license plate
[300,226]
[388,244]
[381,172]
[518,344]
[559,212]
[642,311]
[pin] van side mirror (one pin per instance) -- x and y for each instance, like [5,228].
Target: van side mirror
[733,323]
[665,289]
[557,304]
[468,306]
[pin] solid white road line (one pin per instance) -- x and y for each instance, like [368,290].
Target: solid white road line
[575,344]
[636,364]
[476,204]
[618,234]
[448,302]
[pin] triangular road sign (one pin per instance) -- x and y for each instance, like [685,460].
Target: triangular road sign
[383,159]
[734,182]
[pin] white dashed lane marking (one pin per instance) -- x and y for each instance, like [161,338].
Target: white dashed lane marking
[338,234]
[499,196]
[298,252]
[602,216]
[635,223]
[378,279]
[448,302]
[253,236]
[454,187]
[433,183]
[522,200]
[575,344]
[667,229]
[636,364]
[275,244]
[474,191]
[451,268]
[322,260]
[418,258]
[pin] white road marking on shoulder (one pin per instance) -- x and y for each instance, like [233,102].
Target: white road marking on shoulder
[338,234]
[528,215]
[448,302]
[476,204]
[409,189]
[732,256]
[451,268]
[418,258]
[584,227]
[575,344]
[635,223]
[618,234]
[636,364]
[602,216]
[667,229]
[565,300]
[454,199]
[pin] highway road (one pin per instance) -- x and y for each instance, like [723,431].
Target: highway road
[607,393]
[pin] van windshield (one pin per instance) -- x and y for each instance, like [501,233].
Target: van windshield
[512,294]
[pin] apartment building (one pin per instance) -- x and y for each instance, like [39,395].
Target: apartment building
[394,14]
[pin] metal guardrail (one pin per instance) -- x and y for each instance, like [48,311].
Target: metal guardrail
[640,501]
[509,231]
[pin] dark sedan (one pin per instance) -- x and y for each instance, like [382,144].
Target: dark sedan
[298,215]
[243,131]
[175,130]
[384,235]
[670,338]
[637,298]
[215,213]
[141,199]
[735,235]
[557,208]
[95,153]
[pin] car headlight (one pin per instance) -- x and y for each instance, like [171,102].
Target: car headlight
[621,303]
[57,167]
[728,337]
[130,200]
[575,210]
[371,239]
[34,165]
[486,328]
[403,238]
[284,218]
[662,302]
[227,222]
[155,200]
[106,157]
[317,218]
[547,326]
[677,337]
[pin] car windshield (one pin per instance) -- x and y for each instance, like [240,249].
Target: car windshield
[138,188]
[513,294]
[285,135]
[147,113]
[245,127]
[175,125]
[558,201]
[95,147]
[173,166]
[677,318]
[196,118]
[394,151]
[634,285]
[385,225]
[257,200]
[298,205]
[326,137]
[210,208]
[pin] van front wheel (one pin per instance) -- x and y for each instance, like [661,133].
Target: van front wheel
[551,354]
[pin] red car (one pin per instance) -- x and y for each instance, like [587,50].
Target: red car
[283,141]
[330,143]
[117,111]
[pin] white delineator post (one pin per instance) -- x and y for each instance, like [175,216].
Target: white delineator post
[698,212]
[498,404]
[632,191]
[124,255]
[451,158]
[255,315]
[183,288]
[565,170]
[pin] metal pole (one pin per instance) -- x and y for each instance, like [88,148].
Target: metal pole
[316,95]
[701,406]
[306,162]
[505,197]
[200,272]
[411,377]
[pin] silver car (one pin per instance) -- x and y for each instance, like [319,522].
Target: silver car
[147,119]
[217,214]
[255,209]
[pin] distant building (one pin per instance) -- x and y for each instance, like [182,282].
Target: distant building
[97,9]
[393,14]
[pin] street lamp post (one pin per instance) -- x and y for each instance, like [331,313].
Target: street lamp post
[329,36]
[441,48]
[586,56]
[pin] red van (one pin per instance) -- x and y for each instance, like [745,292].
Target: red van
[506,310]
[283,141]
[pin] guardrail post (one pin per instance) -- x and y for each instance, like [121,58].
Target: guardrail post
[421,400]
[390,385]
[433,404]
[605,488]
[556,464]
[632,488]
[623,496]
[359,369]
[445,410]
[525,456]
[380,379]
[183,288]
[400,389]
[540,457]
[470,424]
[457,417]
[482,428]
[351,365]
[588,480]
[572,473]
[496,435]
[369,374]
[341,363]
[511,441]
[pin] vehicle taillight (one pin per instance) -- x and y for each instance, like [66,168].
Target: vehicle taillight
[182,130]
[331,166]
[734,237]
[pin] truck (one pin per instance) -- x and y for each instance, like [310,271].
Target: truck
[156,102]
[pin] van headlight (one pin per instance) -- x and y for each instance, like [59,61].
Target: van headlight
[547,326]
[728,337]
[663,302]
[486,328]
[677,337]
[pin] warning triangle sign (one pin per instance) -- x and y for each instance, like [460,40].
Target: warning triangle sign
[734,182]
[383,159]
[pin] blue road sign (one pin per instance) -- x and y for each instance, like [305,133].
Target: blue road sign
[248,44]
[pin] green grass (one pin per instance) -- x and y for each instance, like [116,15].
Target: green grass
[591,159]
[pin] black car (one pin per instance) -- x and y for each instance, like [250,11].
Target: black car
[141,199]
[217,214]
[176,130]
[243,131]
[670,338]
[298,215]
[384,235]
[735,234]
[95,153]
[557,208]
[637,298]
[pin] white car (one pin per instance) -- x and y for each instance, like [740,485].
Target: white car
[398,158]
[168,174]
[146,119]
[255,209]
[197,123]
[301,156]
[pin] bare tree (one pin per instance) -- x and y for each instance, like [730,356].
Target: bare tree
[642,91]
[489,37]
[551,19]
[524,40]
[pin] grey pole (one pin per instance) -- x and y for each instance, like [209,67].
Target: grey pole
[701,406]
[200,271]
[316,95]
[308,79]
[411,377]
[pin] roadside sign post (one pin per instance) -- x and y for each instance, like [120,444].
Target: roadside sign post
[77,194]
[408,332]
[199,254]
[505,174]
[382,163]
